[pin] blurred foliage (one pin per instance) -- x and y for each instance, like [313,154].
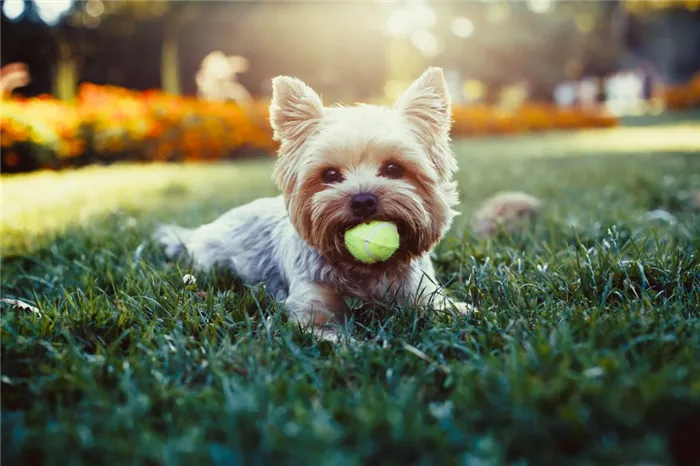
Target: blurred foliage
[683,96]
[646,6]
[567,41]
[117,16]
[109,124]
[174,16]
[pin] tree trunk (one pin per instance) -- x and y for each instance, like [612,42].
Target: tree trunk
[66,73]
[169,61]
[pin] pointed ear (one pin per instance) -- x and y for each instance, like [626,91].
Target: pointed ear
[426,104]
[296,109]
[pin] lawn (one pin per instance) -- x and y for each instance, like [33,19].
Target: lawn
[586,349]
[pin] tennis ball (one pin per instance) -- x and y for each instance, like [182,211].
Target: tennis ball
[372,242]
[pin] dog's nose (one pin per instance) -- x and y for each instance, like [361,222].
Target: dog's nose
[363,205]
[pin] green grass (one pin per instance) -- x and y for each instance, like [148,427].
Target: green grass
[586,350]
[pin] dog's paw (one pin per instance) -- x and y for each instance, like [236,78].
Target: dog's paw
[456,308]
[464,308]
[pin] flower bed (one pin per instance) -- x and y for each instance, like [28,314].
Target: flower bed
[683,96]
[108,124]
[478,120]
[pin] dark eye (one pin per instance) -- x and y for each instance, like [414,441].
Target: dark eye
[392,170]
[331,176]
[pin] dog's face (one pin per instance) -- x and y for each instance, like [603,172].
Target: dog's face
[341,166]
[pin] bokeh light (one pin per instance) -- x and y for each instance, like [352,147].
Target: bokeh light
[498,12]
[51,11]
[399,23]
[462,27]
[426,42]
[473,90]
[585,22]
[94,8]
[540,6]
[409,18]
[13,9]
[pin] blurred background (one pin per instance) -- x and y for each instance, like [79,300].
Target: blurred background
[102,81]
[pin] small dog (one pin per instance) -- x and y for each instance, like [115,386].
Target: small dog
[338,167]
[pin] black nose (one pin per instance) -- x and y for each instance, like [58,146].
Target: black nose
[363,205]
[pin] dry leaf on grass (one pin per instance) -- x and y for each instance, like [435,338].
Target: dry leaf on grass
[506,210]
[21,305]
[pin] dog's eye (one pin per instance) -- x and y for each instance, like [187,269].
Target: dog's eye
[332,176]
[392,170]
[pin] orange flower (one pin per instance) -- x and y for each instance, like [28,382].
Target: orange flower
[157,126]
[11,159]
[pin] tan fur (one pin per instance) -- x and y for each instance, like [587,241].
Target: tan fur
[295,244]
[357,141]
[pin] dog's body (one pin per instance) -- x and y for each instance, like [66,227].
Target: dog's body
[338,167]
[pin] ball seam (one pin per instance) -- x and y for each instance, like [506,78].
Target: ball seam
[368,240]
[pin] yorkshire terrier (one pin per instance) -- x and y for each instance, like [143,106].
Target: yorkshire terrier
[338,167]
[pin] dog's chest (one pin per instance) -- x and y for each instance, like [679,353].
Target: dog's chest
[366,284]
[373,288]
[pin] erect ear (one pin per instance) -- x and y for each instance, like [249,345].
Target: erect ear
[296,109]
[426,105]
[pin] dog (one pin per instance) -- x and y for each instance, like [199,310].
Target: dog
[338,167]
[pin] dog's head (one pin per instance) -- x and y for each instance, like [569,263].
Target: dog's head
[341,166]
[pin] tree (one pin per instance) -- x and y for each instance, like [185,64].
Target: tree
[81,28]
[67,44]
[562,40]
[173,16]
[665,34]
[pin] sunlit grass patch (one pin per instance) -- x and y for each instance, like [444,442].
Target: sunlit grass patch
[38,205]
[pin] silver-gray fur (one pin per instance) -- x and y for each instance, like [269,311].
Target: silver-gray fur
[259,244]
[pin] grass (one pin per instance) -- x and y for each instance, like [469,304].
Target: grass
[586,351]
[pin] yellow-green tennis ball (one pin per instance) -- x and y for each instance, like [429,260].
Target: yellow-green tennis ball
[372,242]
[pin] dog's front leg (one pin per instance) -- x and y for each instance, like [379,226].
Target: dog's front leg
[427,293]
[317,307]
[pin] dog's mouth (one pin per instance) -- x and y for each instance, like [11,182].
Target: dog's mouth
[401,226]
[404,251]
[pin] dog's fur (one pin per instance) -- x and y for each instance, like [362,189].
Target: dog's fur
[294,243]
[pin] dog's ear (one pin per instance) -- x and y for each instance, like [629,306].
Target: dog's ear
[426,105]
[295,110]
